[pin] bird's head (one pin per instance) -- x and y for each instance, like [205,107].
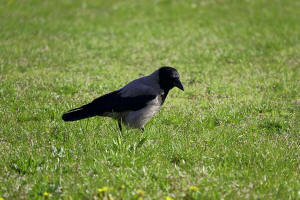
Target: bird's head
[169,78]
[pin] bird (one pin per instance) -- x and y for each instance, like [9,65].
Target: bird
[134,104]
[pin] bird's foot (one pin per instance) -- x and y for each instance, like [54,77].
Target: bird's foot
[120,126]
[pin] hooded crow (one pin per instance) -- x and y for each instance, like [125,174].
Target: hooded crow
[134,104]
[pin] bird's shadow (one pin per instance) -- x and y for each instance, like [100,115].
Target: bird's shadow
[120,140]
[138,144]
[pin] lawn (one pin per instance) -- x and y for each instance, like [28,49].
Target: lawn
[232,134]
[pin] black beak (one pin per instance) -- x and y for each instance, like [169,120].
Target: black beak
[178,84]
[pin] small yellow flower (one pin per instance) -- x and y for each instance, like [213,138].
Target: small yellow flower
[140,198]
[1,198]
[140,192]
[193,189]
[102,190]
[111,198]
[122,187]
[46,194]
[169,198]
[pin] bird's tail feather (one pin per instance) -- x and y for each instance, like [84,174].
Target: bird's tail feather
[77,114]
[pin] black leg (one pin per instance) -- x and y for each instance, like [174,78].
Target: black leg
[120,125]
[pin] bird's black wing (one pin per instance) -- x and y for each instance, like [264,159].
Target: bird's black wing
[108,103]
[114,102]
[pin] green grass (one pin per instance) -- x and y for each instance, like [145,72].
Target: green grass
[234,132]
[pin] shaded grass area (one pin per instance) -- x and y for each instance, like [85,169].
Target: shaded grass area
[234,132]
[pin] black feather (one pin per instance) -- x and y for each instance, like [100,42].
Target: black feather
[111,102]
[78,114]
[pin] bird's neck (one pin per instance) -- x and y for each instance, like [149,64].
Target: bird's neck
[164,96]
